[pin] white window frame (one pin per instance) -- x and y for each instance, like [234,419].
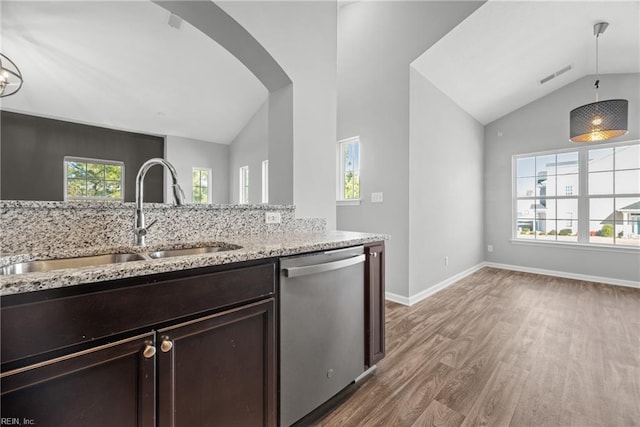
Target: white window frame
[265,181]
[243,185]
[209,171]
[582,196]
[67,159]
[340,196]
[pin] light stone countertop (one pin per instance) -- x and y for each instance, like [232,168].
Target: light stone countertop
[253,247]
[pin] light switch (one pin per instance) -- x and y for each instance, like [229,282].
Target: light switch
[376,197]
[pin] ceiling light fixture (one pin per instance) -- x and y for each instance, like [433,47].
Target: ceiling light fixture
[600,120]
[10,77]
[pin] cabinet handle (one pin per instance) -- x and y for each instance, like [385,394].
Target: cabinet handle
[374,254]
[149,351]
[166,345]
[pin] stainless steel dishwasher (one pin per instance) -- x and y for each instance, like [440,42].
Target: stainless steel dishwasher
[321,328]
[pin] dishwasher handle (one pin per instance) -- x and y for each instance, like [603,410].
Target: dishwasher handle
[322,268]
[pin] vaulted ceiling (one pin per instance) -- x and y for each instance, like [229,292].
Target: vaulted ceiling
[121,65]
[492,63]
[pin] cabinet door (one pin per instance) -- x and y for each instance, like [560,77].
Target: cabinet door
[111,385]
[374,304]
[219,370]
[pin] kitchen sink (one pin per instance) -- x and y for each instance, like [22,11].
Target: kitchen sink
[76,262]
[192,251]
[92,261]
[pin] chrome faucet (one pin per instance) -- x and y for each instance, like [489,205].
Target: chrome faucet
[139,227]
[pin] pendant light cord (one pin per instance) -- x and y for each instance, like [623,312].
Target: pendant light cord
[597,84]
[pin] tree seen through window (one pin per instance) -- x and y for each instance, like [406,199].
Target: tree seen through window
[93,179]
[200,181]
[350,169]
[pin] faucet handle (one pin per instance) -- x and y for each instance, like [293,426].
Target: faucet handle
[142,231]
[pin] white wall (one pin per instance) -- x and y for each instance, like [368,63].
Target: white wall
[544,125]
[445,187]
[250,148]
[377,41]
[185,154]
[301,37]
[281,146]
[226,31]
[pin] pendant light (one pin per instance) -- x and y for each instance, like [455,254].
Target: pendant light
[10,77]
[600,120]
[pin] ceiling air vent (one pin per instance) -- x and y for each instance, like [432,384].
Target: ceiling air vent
[556,74]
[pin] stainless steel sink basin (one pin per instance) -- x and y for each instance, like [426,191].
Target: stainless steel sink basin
[191,251]
[61,263]
[92,261]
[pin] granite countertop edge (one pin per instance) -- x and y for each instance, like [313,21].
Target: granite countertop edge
[253,247]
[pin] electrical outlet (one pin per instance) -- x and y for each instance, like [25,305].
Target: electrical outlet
[446,261]
[376,197]
[489,248]
[273,218]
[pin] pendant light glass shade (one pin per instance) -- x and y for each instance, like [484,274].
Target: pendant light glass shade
[599,121]
[10,77]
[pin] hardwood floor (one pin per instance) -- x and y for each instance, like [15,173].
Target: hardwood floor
[503,348]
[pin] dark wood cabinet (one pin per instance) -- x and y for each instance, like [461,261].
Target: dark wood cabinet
[374,349]
[38,323]
[194,348]
[187,348]
[219,370]
[111,385]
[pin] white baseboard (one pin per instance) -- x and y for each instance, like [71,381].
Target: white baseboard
[390,296]
[409,301]
[433,289]
[564,274]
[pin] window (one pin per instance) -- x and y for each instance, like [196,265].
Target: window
[586,195]
[244,185]
[93,179]
[614,195]
[265,181]
[349,169]
[201,185]
[542,213]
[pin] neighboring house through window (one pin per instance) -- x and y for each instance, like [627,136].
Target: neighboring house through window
[599,202]
[244,185]
[93,179]
[614,194]
[542,213]
[349,169]
[201,185]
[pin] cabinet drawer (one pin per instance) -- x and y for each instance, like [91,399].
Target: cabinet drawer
[35,328]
